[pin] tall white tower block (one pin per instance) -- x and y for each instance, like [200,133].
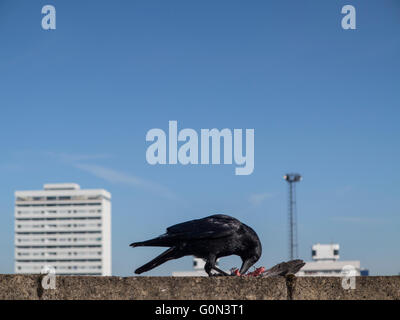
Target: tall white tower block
[65,228]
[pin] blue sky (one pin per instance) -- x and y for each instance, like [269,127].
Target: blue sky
[76,104]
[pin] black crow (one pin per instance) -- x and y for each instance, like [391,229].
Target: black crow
[209,238]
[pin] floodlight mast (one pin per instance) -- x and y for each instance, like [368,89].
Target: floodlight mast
[292,178]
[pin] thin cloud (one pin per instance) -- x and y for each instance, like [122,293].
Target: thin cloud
[348,189]
[258,198]
[118,177]
[10,166]
[357,219]
[70,157]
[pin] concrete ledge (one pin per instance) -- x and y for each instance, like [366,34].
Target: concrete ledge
[330,288]
[142,288]
[28,287]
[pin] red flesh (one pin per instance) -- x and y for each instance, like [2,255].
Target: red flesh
[254,273]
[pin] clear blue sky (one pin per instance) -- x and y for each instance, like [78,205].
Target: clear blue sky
[76,104]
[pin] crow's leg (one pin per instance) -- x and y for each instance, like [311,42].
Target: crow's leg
[222,273]
[208,268]
[210,265]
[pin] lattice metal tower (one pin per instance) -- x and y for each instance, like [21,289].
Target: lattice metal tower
[292,178]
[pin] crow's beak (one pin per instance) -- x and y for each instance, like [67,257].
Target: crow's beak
[245,266]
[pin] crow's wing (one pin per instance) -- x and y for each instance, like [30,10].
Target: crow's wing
[216,226]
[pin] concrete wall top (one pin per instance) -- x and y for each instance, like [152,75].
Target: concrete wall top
[196,288]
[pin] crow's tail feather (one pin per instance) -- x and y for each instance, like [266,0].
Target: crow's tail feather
[167,255]
[156,242]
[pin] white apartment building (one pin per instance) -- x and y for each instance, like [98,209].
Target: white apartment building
[326,262]
[65,228]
